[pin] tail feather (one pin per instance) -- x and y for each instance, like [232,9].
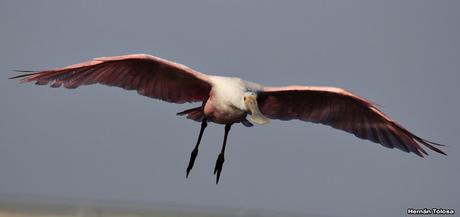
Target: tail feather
[195,114]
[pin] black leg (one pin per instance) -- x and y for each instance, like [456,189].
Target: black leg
[220,158]
[195,150]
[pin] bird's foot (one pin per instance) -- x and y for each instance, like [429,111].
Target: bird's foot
[192,161]
[218,167]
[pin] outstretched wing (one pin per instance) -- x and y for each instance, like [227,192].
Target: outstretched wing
[342,110]
[148,75]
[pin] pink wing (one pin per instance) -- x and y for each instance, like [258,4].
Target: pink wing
[342,110]
[148,75]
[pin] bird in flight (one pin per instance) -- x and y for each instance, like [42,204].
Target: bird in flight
[231,100]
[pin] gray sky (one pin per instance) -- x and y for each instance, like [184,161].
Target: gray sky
[105,143]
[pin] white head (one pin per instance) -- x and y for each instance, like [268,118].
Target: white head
[250,104]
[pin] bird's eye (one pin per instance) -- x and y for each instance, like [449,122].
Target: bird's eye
[244,98]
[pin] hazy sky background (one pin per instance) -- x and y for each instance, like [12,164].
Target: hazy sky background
[105,143]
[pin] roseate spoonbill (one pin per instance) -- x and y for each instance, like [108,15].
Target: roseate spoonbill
[230,100]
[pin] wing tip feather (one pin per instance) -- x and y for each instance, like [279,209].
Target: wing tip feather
[27,73]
